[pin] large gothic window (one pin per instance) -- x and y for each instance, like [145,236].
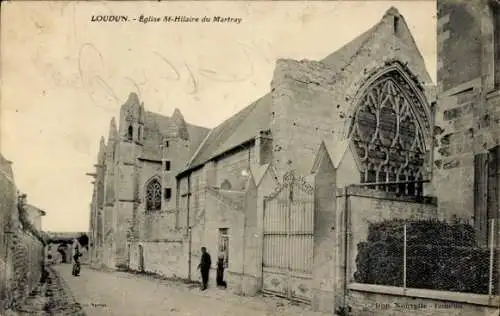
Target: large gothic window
[153,195]
[387,134]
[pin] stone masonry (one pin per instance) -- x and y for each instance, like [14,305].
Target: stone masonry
[21,244]
[467,123]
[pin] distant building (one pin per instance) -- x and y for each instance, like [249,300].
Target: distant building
[35,216]
[61,246]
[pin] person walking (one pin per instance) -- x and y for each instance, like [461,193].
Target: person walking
[204,266]
[76,262]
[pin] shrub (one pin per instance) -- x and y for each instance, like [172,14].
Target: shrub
[440,256]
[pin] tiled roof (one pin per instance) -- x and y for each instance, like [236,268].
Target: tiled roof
[239,128]
[159,125]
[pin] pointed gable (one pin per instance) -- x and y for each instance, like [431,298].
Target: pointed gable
[113,132]
[333,151]
[257,172]
[178,119]
[344,56]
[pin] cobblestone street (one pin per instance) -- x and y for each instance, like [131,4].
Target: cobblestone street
[119,293]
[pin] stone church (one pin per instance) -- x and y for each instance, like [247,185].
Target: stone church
[164,187]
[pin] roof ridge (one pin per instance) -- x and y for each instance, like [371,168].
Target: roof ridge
[199,149]
[218,131]
[365,37]
[238,117]
[369,36]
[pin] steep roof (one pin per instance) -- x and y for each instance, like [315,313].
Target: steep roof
[165,125]
[343,56]
[234,131]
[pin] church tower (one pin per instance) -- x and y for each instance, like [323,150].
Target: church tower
[131,136]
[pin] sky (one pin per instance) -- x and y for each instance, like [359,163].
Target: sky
[64,77]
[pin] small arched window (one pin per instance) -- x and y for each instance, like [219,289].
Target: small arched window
[153,195]
[139,133]
[226,185]
[130,133]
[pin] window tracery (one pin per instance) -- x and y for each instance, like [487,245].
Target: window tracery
[388,135]
[153,195]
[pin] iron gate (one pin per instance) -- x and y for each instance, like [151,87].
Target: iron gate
[288,239]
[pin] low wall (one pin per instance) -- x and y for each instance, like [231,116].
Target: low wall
[373,300]
[24,265]
[370,206]
[167,258]
[7,213]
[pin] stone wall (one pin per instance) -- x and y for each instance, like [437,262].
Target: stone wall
[166,258]
[468,113]
[7,212]
[224,213]
[27,253]
[230,169]
[459,43]
[21,246]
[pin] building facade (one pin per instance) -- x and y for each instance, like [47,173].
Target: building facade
[134,187]
[466,161]
[164,188]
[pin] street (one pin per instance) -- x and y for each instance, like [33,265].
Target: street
[120,293]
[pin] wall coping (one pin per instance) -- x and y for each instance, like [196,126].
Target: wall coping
[382,195]
[476,299]
[159,240]
[493,94]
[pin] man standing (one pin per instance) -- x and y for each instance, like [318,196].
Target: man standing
[204,267]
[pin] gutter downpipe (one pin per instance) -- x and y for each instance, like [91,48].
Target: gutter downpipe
[347,233]
[188,202]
